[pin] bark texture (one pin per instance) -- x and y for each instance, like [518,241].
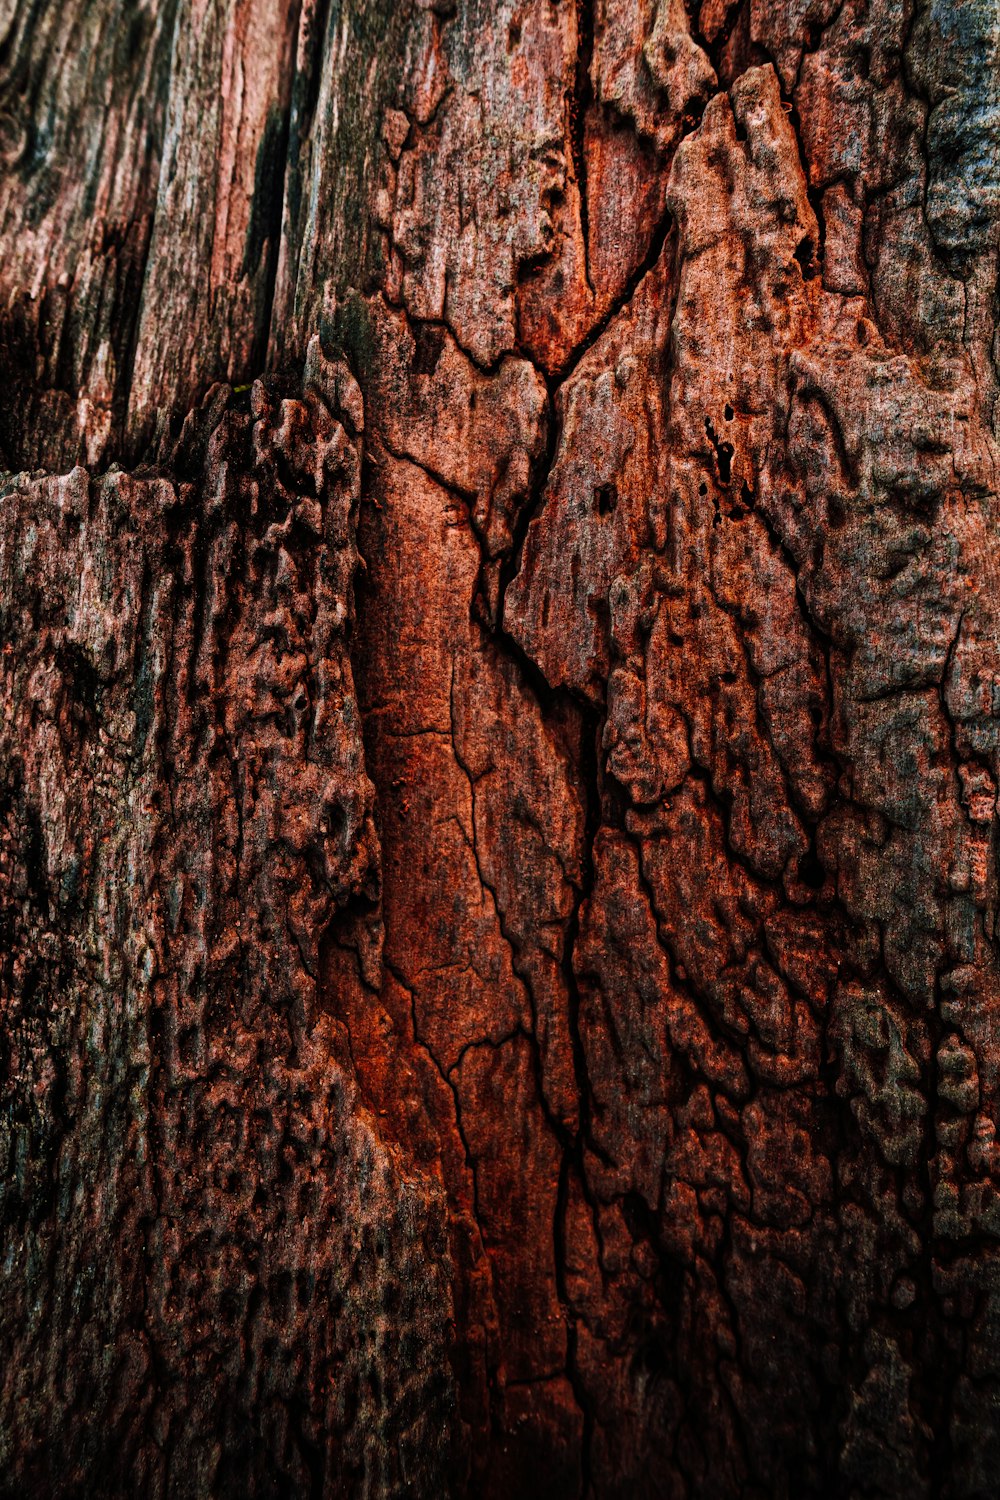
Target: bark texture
[500,677]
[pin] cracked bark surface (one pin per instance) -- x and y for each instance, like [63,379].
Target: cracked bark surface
[499,754]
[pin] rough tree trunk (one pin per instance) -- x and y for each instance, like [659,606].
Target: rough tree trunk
[498,757]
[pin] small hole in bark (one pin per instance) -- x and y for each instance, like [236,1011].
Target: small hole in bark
[676,640]
[811,871]
[335,820]
[862,331]
[82,680]
[652,1357]
[390,1299]
[188,1045]
[229,1307]
[530,269]
[692,118]
[914,502]
[605,498]
[728,678]
[804,252]
[137,33]
[727,412]
[703,488]
[513,35]
[815,714]
[429,342]
[723,453]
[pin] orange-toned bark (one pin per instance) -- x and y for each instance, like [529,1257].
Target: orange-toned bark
[499,753]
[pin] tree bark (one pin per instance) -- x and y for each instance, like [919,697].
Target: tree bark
[500,681]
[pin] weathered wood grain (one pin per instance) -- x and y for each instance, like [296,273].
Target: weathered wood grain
[500,641]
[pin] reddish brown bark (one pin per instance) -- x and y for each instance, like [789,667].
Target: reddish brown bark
[498,764]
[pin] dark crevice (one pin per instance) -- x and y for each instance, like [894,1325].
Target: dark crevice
[574,1151]
[466,498]
[308,42]
[809,256]
[577,1384]
[511,563]
[264,227]
[656,245]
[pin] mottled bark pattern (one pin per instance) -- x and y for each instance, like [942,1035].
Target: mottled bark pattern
[500,662]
